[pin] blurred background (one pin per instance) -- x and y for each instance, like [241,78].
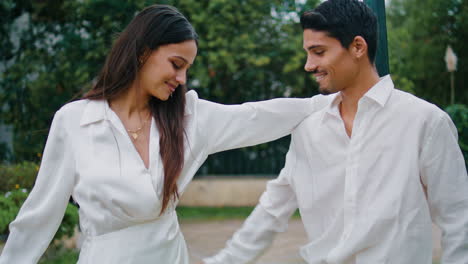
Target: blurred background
[51,50]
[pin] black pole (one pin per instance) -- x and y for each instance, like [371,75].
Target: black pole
[381,59]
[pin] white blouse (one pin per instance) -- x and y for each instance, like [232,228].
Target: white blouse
[90,156]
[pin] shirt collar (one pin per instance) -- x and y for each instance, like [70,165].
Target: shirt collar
[95,111]
[379,93]
[333,109]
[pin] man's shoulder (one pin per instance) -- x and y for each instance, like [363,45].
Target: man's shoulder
[415,106]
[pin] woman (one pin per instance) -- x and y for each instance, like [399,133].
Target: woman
[130,147]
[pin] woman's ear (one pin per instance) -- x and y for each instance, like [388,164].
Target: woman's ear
[144,56]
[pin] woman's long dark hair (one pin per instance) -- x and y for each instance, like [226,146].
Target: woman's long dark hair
[153,27]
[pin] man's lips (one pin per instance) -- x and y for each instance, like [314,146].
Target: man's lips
[319,76]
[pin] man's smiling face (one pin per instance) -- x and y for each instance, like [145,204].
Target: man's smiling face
[332,65]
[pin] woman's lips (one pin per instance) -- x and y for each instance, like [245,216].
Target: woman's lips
[172,87]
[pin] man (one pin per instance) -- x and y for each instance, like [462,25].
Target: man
[369,172]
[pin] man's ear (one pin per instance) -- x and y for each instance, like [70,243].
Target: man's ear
[359,47]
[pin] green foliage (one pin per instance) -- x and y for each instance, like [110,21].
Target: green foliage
[11,202]
[216,213]
[15,181]
[248,51]
[14,176]
[418,38]
[8,211]
[213,213]
[459,115]
[61,46]
[61,256]
[69,222]
[5,153]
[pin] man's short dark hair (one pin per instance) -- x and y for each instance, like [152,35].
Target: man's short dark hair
[344,20]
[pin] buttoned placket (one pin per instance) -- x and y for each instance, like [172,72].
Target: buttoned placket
[353,156]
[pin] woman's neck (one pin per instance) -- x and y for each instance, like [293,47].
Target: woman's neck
[130,104]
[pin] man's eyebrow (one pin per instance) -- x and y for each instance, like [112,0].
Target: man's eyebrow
[182,58]
[314,47]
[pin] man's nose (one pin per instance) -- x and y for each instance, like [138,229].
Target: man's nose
[310,66]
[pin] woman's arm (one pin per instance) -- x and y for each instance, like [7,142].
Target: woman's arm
[223,127]
[43,210]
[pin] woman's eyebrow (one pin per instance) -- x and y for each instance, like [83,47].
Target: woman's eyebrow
[182,58]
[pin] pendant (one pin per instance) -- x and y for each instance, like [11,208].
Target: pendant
[134,136]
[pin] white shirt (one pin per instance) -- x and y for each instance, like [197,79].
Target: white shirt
[90,156]
[368,198]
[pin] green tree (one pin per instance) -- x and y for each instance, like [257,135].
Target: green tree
[248,50]
[60,46]
[419,32]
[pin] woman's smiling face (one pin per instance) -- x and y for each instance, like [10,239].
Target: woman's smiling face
[165,68]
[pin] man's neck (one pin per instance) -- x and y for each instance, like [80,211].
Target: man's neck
[353,93]
[363,82]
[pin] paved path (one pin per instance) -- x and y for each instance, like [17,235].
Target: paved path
[205,238]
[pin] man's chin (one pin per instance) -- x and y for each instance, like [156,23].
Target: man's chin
[324,91]
[327,90]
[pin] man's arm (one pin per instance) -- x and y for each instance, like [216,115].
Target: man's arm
[269,217]
[443,173]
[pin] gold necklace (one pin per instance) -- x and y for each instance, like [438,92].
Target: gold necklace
[134,133]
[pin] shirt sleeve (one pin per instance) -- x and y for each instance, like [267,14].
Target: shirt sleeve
[42,212]
[269,217]
[222,127]
[444,176]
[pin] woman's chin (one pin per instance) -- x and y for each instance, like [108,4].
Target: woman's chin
[162,97]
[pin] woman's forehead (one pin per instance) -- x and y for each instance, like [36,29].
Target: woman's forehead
[186,51]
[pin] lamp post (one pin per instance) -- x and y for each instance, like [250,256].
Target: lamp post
[451,61]
[381,60]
